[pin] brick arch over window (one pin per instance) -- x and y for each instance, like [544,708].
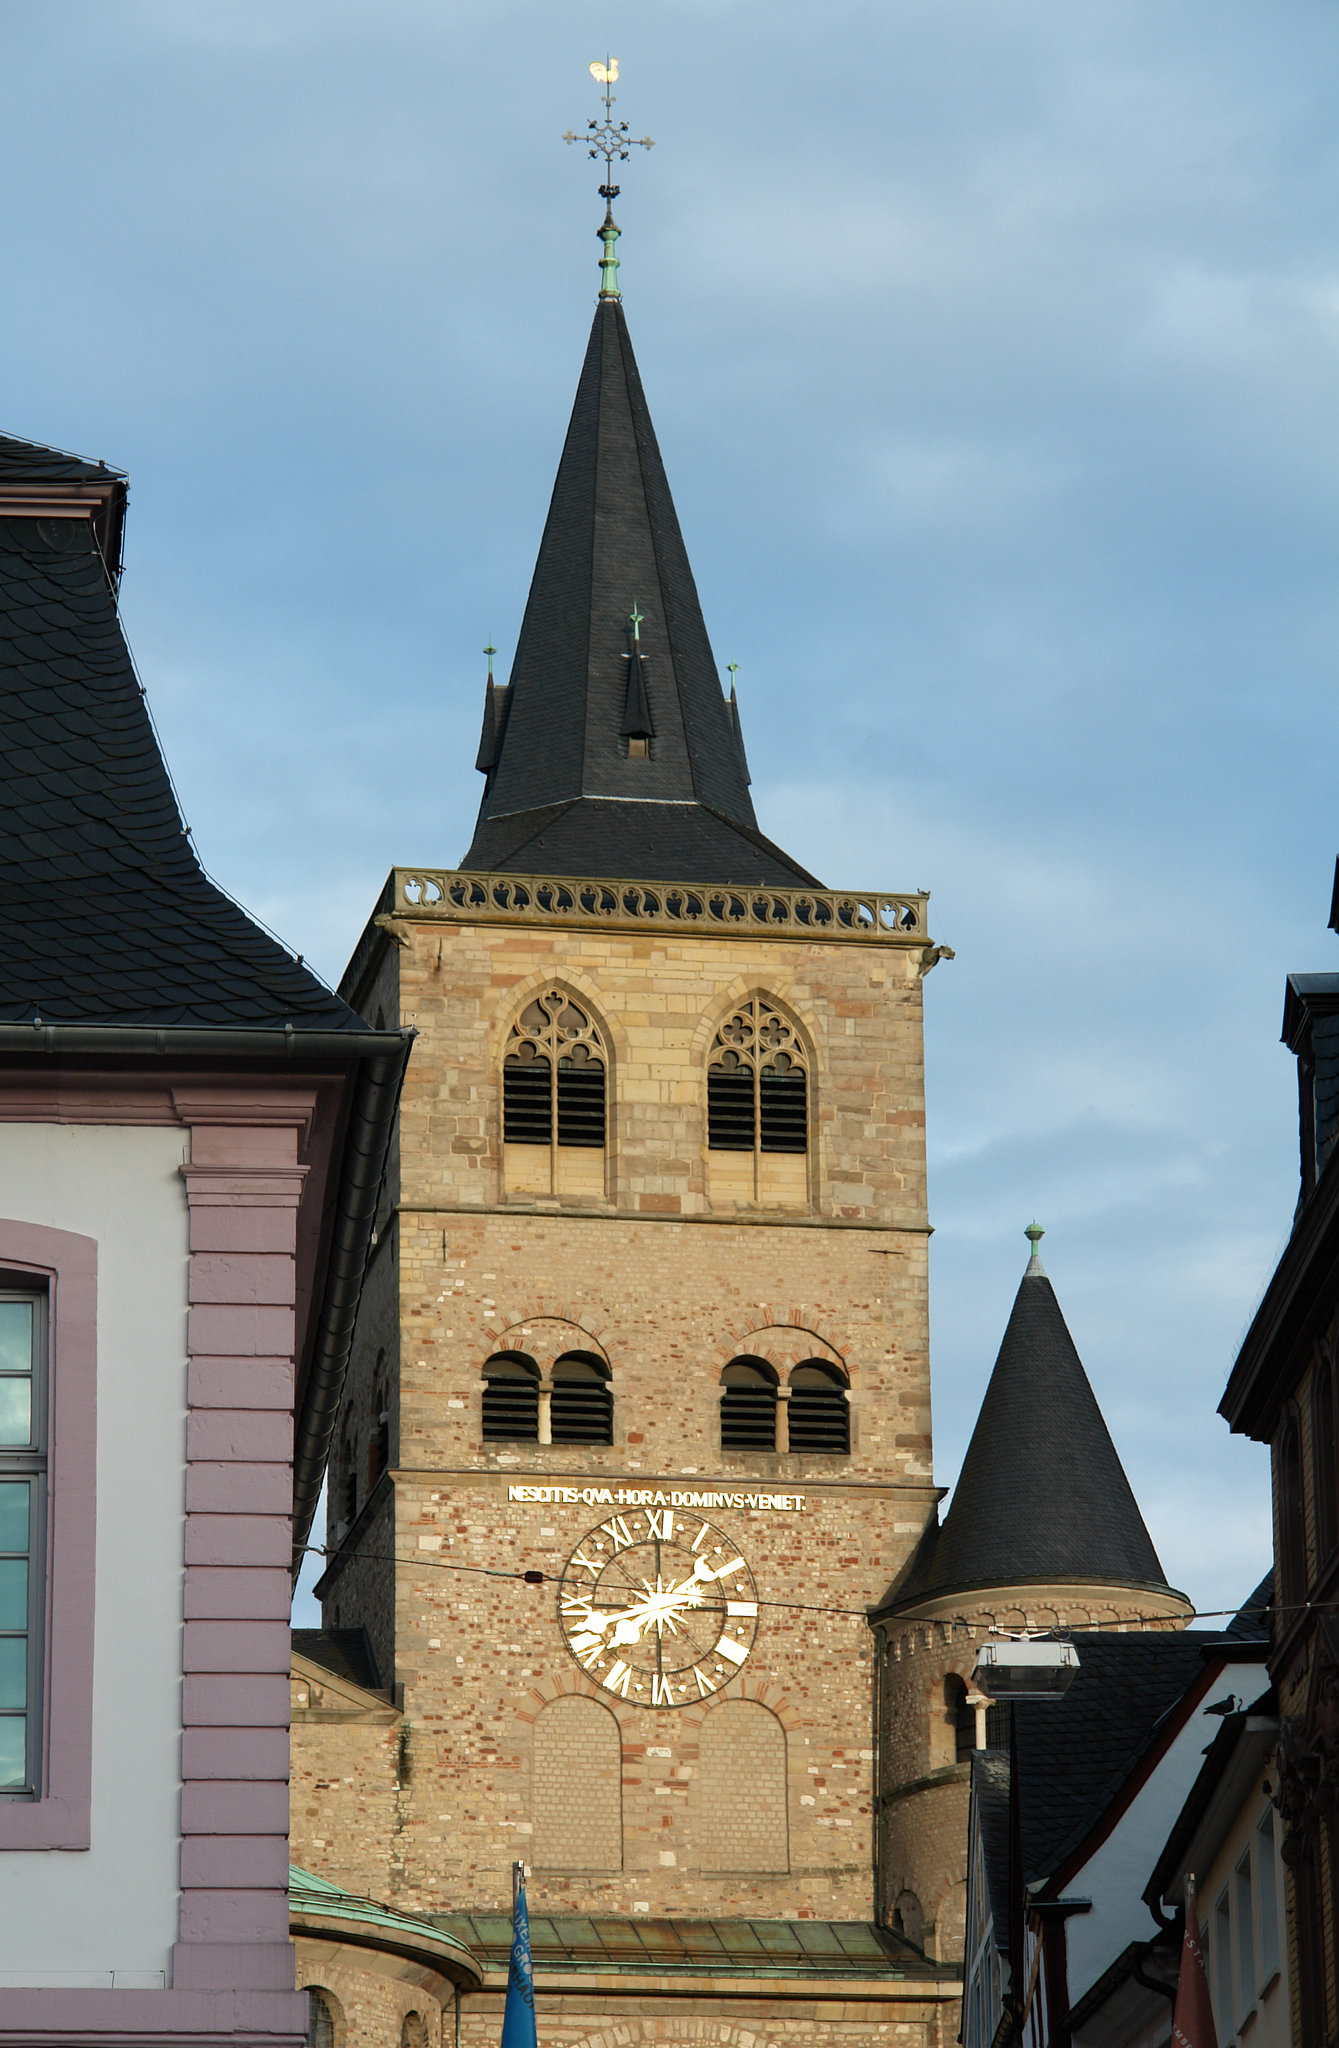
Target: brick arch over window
[759,1106]
[576,1778]
[741,1813]
[556,1071]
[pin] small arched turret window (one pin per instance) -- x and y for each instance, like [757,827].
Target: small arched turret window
[554,1080]
[582,1401]
[960,1717]
[511,1399]
[748,1406]
[820,1414]
[758,1105]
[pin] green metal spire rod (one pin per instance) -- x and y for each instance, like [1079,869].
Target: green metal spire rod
[609,139]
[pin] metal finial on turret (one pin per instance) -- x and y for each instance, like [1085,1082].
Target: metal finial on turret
[732,668]
[490,651]
[1034,1233]
[609,139]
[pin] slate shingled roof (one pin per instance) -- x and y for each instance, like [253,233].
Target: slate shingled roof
[29,462]
[1074,1754]
[106,916]
[563,795]
[1042,1495]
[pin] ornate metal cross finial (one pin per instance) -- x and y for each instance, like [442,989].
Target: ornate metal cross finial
[609,139]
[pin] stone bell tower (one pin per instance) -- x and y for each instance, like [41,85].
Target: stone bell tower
[638,1422]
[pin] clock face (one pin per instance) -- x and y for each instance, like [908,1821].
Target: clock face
[658,1607]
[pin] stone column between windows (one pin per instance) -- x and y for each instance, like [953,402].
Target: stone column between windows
[243,1184]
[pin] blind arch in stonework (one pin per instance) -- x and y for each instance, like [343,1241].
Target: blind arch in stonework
[742,1819]
[576,1786]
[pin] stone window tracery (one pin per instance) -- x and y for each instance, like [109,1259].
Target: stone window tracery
[554,1090]
[758,1105]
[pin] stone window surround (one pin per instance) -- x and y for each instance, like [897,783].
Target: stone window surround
[66,1266]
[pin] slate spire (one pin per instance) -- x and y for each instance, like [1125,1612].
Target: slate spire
[1042,1496]
[607,753]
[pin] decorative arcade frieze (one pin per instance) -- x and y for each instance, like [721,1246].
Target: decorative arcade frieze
[862,915]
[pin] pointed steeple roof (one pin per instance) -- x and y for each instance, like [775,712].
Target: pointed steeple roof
[1042,1496]
[605,754]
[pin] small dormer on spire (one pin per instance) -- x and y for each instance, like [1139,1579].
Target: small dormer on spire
[638,726]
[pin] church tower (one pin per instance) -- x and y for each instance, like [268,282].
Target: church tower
[1043,1531]
[637,1427]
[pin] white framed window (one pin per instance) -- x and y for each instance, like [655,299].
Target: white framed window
[23,1471]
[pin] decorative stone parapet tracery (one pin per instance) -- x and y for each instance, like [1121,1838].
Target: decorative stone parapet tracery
[872,915]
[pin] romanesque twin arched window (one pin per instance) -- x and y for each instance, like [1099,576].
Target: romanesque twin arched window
[573,1404]
[555,1098]
[810,1413]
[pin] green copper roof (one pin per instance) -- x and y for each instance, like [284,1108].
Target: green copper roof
[725,1948]
[371,1925]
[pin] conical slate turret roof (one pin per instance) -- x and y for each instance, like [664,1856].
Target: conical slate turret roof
[605,754]
[1042,1496]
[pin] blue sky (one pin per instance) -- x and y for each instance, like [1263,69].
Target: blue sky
[993,352]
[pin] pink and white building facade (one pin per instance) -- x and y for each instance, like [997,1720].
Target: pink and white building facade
[193,1131]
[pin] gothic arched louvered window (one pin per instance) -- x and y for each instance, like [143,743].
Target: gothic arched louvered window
[758,1104]
[961,1718]
[511,1399]
[554,1076]
[820,1415]
[582,1403]
[748,1406]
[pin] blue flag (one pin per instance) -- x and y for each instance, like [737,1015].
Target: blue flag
[518,2020]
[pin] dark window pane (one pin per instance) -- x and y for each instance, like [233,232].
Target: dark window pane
[13,1674]
[748,1408]
[14,1514]
[820,1419]
[13,1750]
[16,1411]
[783,1109]
[527,1109]
[730,1109]
[582,1406]
[320,2021]
[13,1592]
[511,1402]
[580,1100]
[16,1336]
